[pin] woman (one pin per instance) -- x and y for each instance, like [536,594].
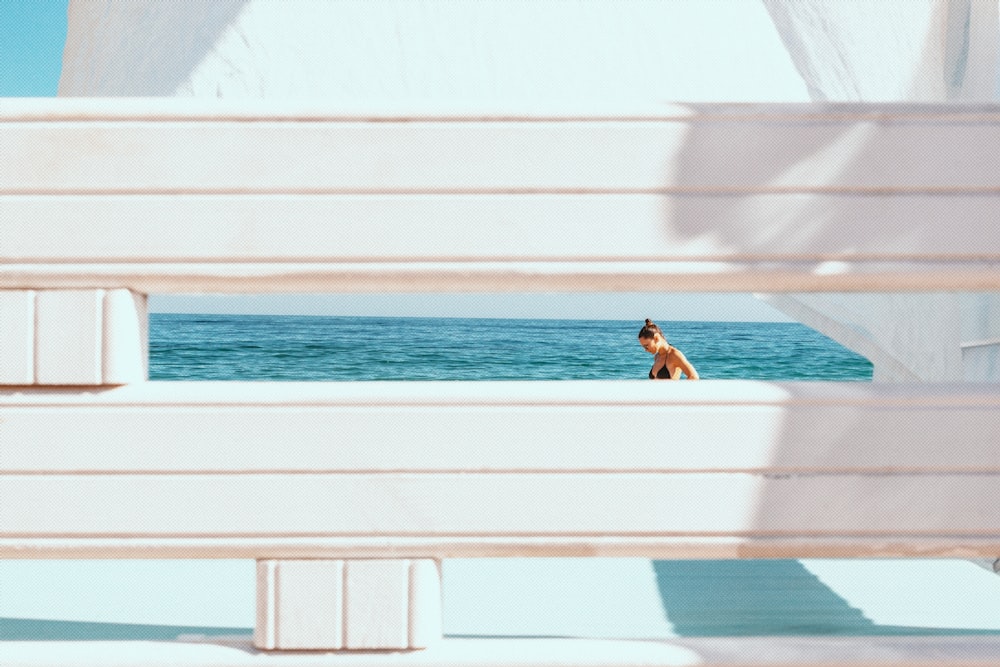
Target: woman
[668,361]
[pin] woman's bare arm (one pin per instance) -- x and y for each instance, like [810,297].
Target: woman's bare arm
[682,364]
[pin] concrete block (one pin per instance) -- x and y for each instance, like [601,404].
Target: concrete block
[69,337]
[426,614]
[384,604]
[125,352]
[377,607]
[17,337]
[300,604]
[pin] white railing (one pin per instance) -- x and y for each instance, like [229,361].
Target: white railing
[358,488]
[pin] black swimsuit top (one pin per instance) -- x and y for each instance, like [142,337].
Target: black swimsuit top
[662,374]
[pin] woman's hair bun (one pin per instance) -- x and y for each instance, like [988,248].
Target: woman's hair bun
[649,322]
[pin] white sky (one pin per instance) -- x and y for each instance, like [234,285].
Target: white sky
[574,306]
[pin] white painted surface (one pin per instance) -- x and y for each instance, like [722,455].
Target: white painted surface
[265,628]
[877,51]
[544,652]
[839,186]
[930,51]
[452,653]
[131,62]
[74,337]
[981,362]
[728,275]
[854,507]
[977,548]
[697,148]
[17,347]
[908,337]
[561,426]
[300,604]
[471,49]
[125,351]
[425,599]
[69,337]
[570,227]
[899,51]
[377,604]
[787,430]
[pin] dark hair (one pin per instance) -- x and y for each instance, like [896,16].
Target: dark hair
[649,330]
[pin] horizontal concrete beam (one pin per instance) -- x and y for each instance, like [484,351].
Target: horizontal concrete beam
[721,148]
[185,109]
[503,468]
[641,228]
[781,275]
[547,427]
[679,198]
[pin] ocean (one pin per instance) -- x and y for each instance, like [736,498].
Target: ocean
[318,348]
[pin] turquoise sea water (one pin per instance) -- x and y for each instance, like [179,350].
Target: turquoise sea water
[267,347]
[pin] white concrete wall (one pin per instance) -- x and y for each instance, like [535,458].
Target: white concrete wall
[931,51]
[494,51]
[487,50]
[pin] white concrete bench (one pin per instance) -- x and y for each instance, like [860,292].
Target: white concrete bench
[103,202]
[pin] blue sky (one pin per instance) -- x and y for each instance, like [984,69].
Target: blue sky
[32,33]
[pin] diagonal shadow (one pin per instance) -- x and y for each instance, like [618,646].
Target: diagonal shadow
[157,45]
[764,598]
[752,597]
[22,629]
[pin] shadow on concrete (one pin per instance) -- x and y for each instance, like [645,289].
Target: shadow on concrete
[20,629]
[745,598]
[154,45]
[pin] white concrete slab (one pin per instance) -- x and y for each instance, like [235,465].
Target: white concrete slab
[69,337]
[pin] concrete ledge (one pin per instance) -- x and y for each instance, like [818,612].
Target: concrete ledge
[536,652]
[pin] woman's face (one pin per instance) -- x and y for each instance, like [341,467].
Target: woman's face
[649,344]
